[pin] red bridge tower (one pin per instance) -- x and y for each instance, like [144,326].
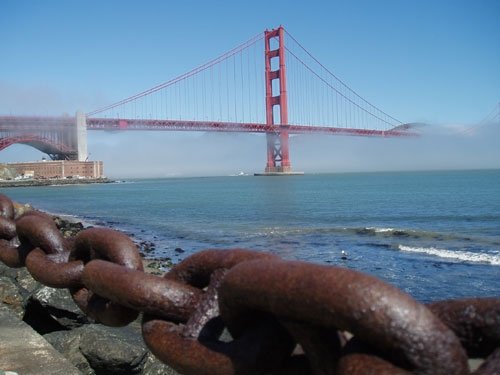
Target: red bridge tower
[278,156]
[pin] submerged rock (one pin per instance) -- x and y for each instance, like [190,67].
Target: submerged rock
[68,228]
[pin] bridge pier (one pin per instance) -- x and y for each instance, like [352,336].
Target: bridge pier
[81,136]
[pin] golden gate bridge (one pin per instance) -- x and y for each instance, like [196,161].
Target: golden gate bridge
[264,85]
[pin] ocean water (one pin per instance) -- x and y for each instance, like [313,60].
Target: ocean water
[435,235]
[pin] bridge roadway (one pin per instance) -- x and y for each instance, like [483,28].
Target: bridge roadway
[65,138]
[30,124]
[214,126]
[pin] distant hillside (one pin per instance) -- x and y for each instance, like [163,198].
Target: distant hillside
[6,172]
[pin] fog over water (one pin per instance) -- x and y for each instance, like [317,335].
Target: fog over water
[166,154]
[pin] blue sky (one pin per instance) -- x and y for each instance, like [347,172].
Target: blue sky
[420,61]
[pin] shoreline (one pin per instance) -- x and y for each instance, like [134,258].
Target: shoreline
[53,182]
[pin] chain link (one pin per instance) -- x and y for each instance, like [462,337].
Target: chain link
[239,311]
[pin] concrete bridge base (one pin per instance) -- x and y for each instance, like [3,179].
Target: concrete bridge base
[279,174]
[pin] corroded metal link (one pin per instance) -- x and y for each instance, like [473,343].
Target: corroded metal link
[269,342]
[54,270]
[205,320]
[12,255]
[321,345]
[366,364]
[106,244]
[6,207]
[46,251]
[197,268]
[33,229]
[141,291]
[40,231]
[259,349]
[476,322]
[8,251]
[113,246]
[329,296]
[7,228]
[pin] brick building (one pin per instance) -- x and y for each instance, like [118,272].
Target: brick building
[60,169]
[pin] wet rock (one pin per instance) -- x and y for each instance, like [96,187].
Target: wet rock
[113,350]
[178,250]
[48,309]
[146,247]
[68,228]
[158,267]
[154,268]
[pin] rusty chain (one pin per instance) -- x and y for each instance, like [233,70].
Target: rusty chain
[245,312]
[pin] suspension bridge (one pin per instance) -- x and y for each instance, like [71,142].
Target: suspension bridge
[264,85]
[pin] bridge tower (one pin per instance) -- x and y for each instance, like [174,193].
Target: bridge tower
[278,155]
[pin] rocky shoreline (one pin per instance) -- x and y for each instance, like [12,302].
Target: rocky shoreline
[53,182]
[92,348]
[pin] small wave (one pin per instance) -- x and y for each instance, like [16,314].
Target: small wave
[391,232]
[381,230]
[458,255]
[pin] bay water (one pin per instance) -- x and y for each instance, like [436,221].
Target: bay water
[435,235]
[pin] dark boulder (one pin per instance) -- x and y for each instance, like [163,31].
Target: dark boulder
[68,344]
[113,350]
[49,309]
[96,349]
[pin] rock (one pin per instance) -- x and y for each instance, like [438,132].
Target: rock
[68,344]
[67,227]
[11,296]
[21,209]
[179,250]
[7,271]
[108,350]
[21,276]
[157,267]
[27,353]
[113,350]
[146,247]
[26,281]
[48,309]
